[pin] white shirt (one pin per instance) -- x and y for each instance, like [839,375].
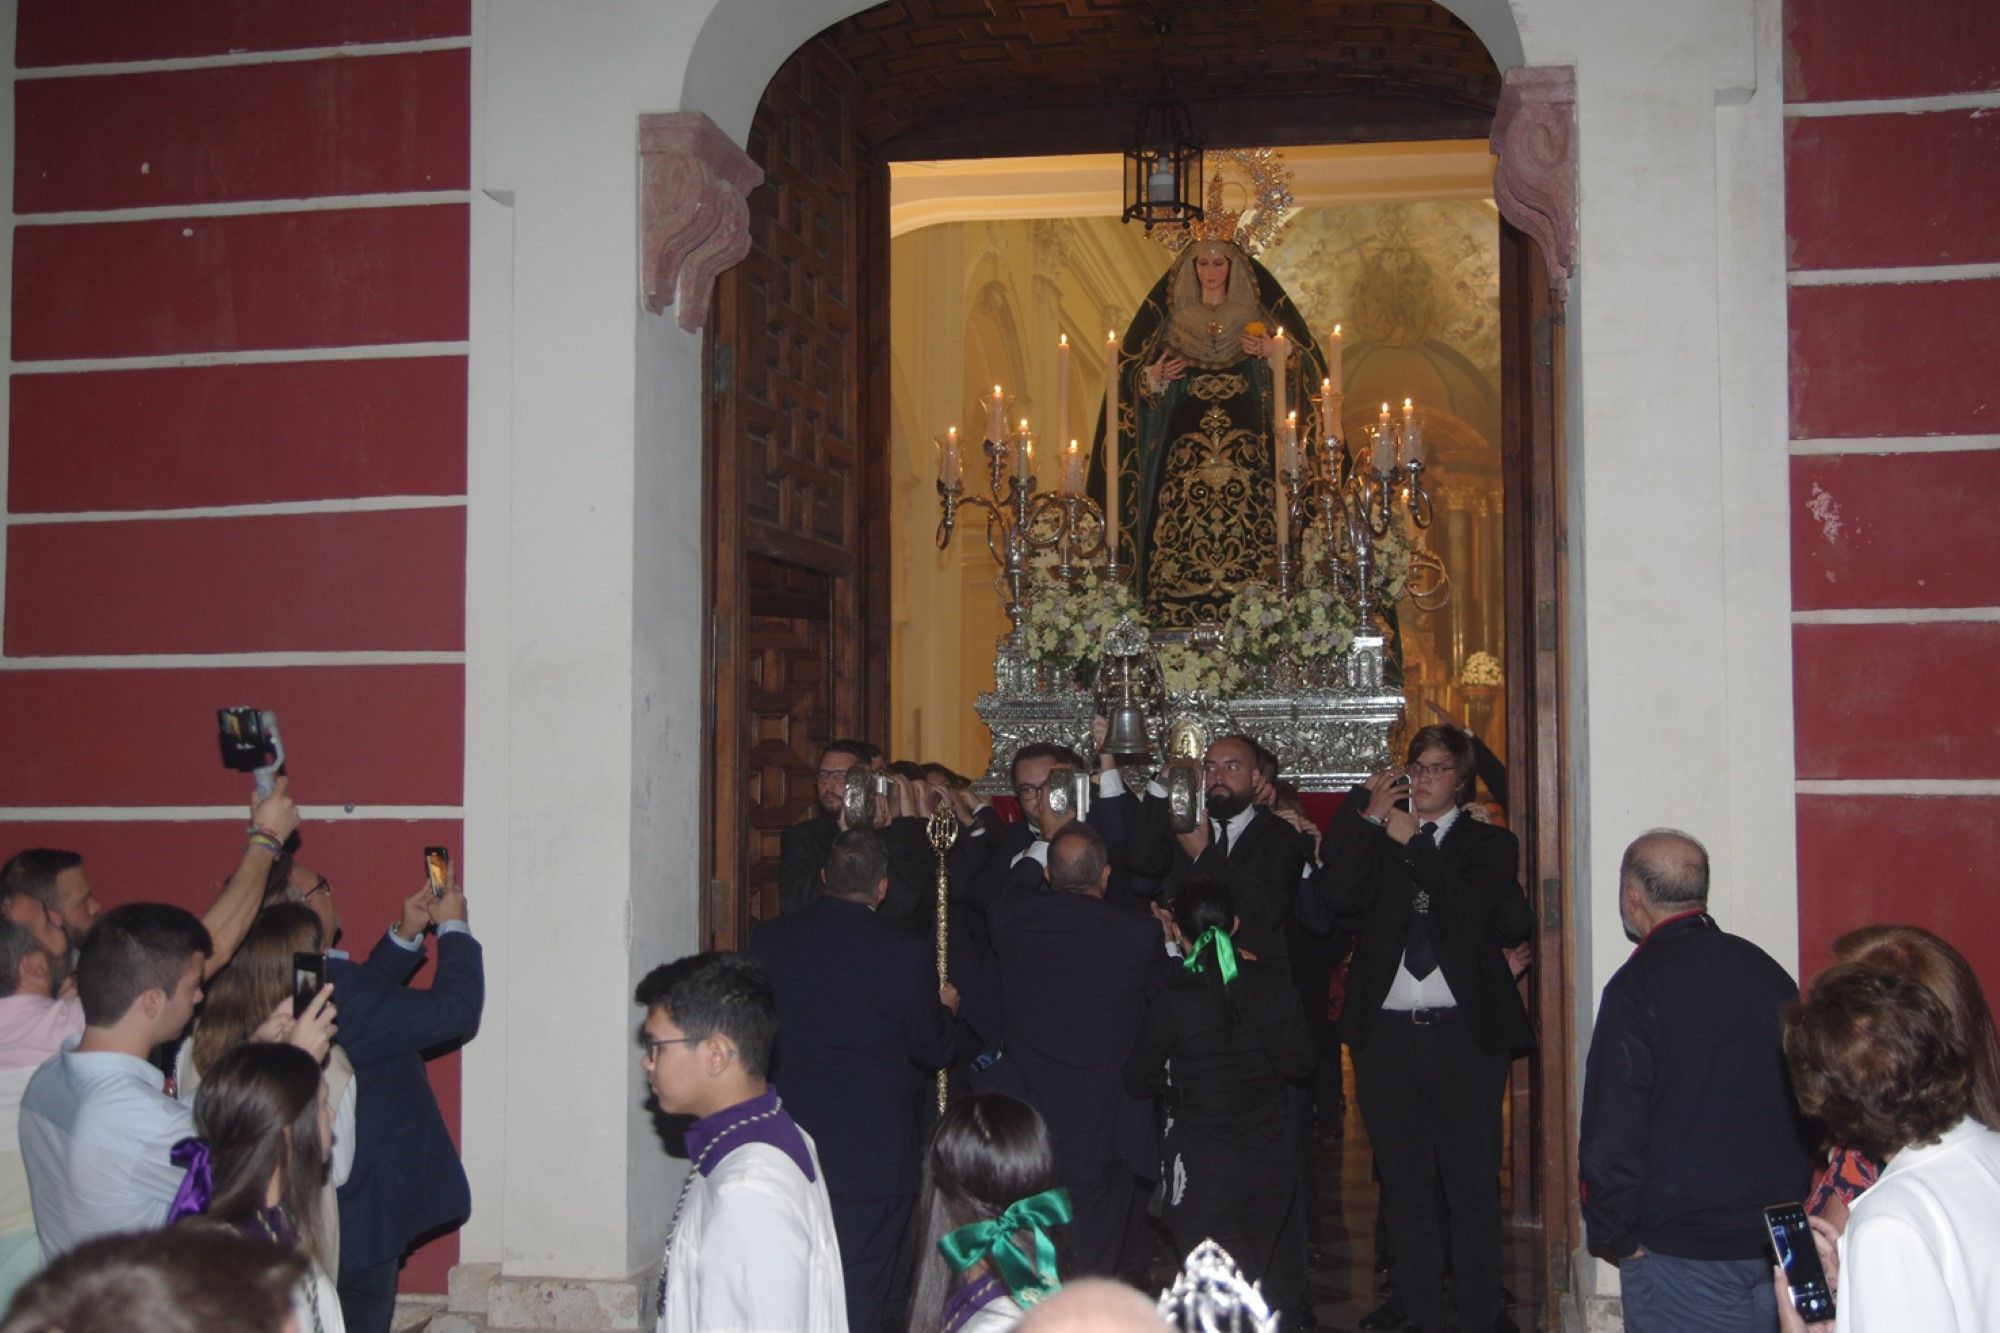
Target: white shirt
[1109,784]
[1918,1252]
[755,1250]
[1433,992]
[97,1134]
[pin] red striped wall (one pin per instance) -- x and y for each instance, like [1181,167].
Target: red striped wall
[236,439]
[1893,231]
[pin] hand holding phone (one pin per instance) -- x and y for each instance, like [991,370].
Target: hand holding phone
[1798,1255]
[308,975]
[437,869]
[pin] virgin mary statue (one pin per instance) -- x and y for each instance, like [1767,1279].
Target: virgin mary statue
[1197,489]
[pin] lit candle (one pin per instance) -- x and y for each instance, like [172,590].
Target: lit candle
[1024,454]
[996,406]
[1111,445]
[1072,469]
[1288,452]
[1278,355]
[948,462]
[1409,410]
[1413,435]
[1062,386]
[1385,442]
[1333,360]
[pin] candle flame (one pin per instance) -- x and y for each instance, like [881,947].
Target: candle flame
[1111,335]
[1024,422]
[1062,340]
[1336,330]
[952,434]
[996,391]
[1406,404]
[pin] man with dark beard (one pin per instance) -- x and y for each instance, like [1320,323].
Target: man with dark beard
[1258,855]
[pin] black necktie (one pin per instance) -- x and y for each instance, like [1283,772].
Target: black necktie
[1222,838]
[1418,955]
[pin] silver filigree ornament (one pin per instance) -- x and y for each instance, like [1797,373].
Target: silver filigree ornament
[1211,1295]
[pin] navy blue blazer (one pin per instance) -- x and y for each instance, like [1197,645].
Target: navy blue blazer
[859,1028]
[407,1180]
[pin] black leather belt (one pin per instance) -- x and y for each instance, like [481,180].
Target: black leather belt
[1423,1018]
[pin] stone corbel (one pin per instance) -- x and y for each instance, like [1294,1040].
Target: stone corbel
[694,221]
[1534,136]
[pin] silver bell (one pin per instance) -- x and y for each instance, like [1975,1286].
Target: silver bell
[1126,736]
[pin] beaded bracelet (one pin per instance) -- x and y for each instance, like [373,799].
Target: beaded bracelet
[268,841]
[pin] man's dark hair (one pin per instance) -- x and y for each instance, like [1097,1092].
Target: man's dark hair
[861,752]
[134,949]
[1076,858]
[856,865]
[1062,754]
[34,872]
[907,768]
[1267,763]
[940,773]
[1670,868]
[199,1277]
[1877,1059]
[16,944]
[1451,740]
[707,993]
[278,882]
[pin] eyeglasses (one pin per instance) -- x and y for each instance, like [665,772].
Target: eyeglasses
[830,774]
[653,1044]
[319,886]
[1433,770]
[1026,789]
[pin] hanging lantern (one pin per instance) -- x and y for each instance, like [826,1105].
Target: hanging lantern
[1163,185]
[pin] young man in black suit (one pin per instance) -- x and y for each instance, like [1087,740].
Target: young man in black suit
[1075,974]
[1259,856]
[861,1020]
[1433,1018]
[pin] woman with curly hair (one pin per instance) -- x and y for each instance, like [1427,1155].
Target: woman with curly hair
[990,1202]
[1915,953]
[1883,1063]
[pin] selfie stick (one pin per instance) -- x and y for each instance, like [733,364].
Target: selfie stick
[267,776]
[944,832]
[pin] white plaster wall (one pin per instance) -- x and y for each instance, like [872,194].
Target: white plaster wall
[584,523]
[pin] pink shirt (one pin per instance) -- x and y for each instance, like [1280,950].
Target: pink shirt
[34,1027]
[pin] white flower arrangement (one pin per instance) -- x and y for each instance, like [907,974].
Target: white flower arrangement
[1063,627]
[1482,668]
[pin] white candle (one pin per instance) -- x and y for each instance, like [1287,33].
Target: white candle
[1062,386]
[1288,448]
[1409,410]
[1413,434]
[1111,445]
[1278,356]
[948,462]
[1024,454]
[996,427]
[1385,442]
[1333,360]
[1072,468]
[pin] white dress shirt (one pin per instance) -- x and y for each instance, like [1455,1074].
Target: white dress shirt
[1433,992]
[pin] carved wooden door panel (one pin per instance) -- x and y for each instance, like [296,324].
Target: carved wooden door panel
[1531,346]
[784,464]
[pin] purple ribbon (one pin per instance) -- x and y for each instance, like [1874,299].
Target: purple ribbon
[197,1189]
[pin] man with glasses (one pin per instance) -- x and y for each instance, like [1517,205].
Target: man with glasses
[803,847]
[1433,1018]
[407,1181]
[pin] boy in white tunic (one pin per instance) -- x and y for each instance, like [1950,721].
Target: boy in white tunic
[752,1245]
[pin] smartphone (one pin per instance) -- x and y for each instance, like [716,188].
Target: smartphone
[437,869]
[1792,1242]
[308,976]
[251,744]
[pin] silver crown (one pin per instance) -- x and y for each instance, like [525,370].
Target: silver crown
[1211,1296]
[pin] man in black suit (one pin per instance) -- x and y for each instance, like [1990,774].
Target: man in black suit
[407,1183]
[900,816]
[1075,974]
[1259,856]
[861,1019]
[1433,1018]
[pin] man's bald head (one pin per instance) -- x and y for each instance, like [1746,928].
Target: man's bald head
[1093,1305]
[1669,869]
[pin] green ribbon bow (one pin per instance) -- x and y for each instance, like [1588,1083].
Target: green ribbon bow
[1028,1280]
[1225,953]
